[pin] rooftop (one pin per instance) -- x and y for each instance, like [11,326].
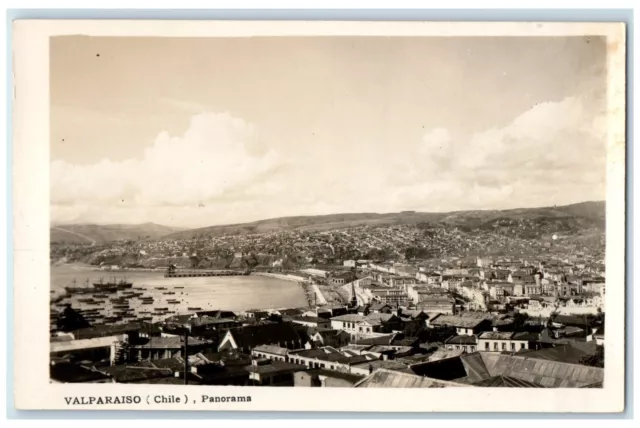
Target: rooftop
[271,349]
[275,367]
[383,378]
[497,335]
[348,318]
[462,340]
[76,345]
[349,377]
[456,321]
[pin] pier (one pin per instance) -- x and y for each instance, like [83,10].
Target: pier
[196,274]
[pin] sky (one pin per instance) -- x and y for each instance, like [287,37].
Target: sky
[199,132]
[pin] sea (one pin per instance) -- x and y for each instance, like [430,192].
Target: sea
[177,295]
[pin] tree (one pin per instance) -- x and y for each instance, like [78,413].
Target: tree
[70,320]
[519,320]
[414,328]
[594,360]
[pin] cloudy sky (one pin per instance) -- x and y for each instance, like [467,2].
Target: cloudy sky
[198,132]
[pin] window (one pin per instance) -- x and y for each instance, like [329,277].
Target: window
[504,346]
[495,346]
[522,346]
[486,346]
[513,346]
[472,348]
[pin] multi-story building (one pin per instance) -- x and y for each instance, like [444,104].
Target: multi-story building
[502,341]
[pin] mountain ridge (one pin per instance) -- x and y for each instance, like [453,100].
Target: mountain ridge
[569,217]
[580,215]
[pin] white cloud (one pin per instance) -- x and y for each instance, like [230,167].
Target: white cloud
[551,153]
[221,171]
[217,157]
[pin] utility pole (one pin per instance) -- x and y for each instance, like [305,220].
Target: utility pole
[186,358]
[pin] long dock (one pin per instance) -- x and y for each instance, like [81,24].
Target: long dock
[195,274]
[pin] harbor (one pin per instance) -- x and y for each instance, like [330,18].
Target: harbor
[154,297]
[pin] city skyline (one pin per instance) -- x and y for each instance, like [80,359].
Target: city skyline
[312,126]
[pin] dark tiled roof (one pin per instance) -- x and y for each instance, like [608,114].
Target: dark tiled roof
[455,321]
[75,373]
[462,340]
[275,367]
[349,377]
[132,373]
[217,314]
[266,334]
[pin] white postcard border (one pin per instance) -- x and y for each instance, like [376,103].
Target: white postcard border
[31,233]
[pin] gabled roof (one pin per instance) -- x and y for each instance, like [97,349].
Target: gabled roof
[386,339]
[482,365]
[383,378]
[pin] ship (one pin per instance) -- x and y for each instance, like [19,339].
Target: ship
[114,285]
[79,290]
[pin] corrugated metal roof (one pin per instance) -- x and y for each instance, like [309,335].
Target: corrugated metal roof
[383,378]
[76,345]
[506,382]
[544,372]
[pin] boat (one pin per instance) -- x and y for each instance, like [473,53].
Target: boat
[178,287]
[114,285]
[58,299]
[169,292]
[74,289]
[194,309]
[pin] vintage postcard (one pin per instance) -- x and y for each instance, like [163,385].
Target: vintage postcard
[319,216]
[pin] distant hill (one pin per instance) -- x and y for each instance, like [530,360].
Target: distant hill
[562,218]
[97,233]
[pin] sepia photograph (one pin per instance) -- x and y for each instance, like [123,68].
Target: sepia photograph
[403,211]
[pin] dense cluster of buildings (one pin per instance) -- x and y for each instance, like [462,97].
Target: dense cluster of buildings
[437,321]
[396,330]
